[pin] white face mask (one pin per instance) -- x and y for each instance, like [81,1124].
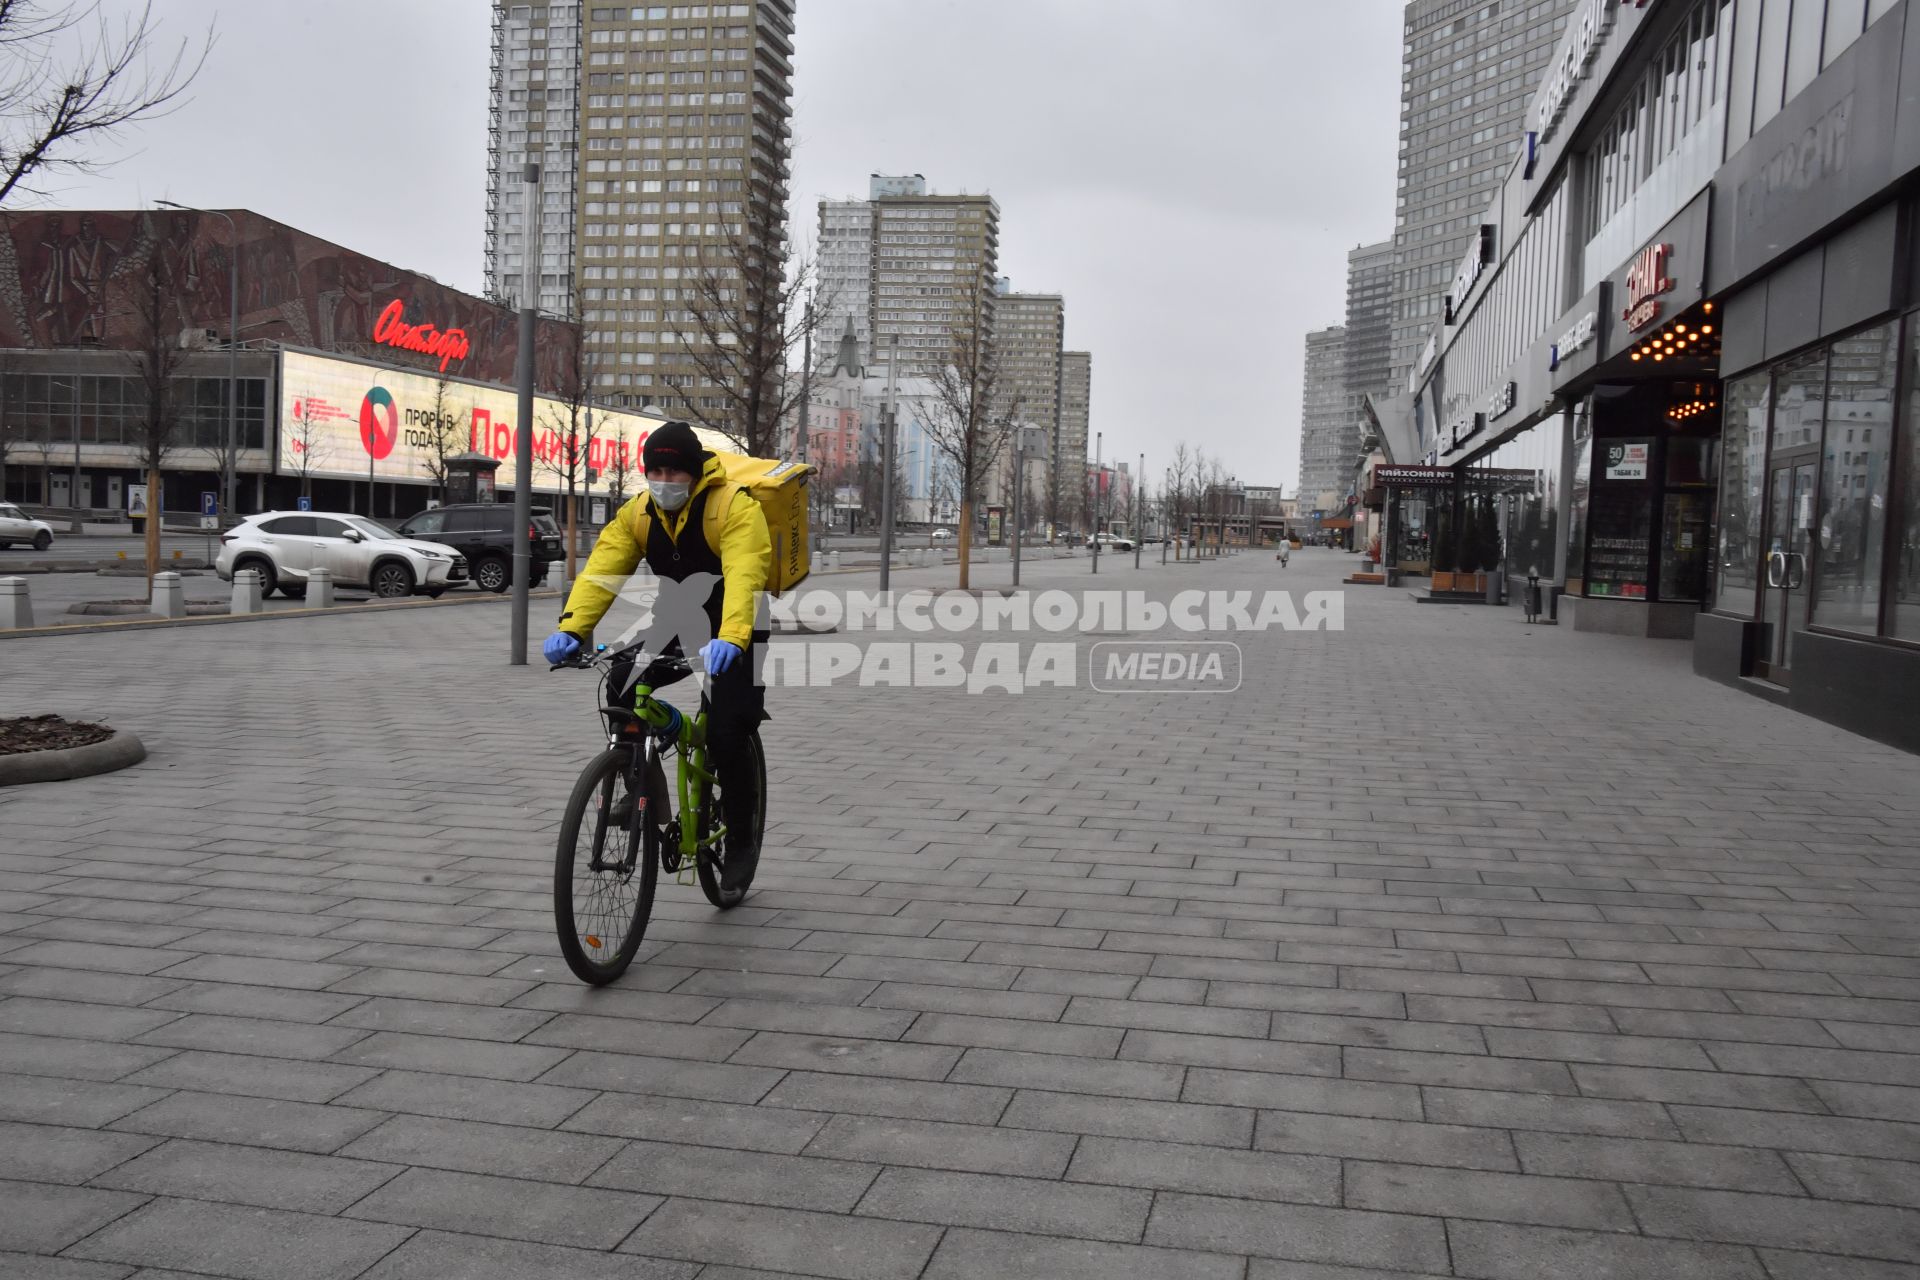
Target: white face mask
[669,495]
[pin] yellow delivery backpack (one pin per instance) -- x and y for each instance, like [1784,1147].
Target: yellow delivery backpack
[781,490]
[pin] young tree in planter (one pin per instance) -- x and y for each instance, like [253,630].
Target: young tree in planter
[961,422]
[156,358]
[570,426]
[307,445]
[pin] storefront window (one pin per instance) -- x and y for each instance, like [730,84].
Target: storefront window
[1850,538]
[1581,487]
[1743,456]
[1528,481]
[1904,618]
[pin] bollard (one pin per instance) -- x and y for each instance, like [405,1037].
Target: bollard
[319,588]
[16,606]
[246,592]
[833,559]
[169,597]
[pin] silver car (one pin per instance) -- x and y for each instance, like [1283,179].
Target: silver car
[17,526]
[285,546]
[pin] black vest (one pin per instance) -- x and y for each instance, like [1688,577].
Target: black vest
[676,561]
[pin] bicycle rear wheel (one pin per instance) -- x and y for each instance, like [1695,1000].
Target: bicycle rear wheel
[602,884]
[712,870]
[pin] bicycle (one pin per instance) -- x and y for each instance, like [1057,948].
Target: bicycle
[600,911]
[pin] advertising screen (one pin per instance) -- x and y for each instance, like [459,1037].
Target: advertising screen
[340,417]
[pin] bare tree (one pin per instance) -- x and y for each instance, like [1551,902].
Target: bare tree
[571,422]
[751,315]
[70,76]
[960,420]
[620,469]
[444,435]
[306,443]
[156,358]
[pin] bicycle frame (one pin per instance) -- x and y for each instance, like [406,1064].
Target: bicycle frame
[694,780]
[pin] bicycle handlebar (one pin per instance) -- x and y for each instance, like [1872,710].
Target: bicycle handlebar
[586,661]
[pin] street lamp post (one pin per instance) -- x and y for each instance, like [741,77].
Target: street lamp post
[1139,482]
[1099,479]
[227,452]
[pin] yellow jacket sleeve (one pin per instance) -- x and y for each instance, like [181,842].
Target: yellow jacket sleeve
[616,554]
[746,560]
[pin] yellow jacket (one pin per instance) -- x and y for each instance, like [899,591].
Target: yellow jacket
[734,527]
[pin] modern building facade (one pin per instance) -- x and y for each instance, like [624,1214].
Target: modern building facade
[1681,370]
[665,177]
[1369,358]
[1467,72]
[1076,404]
[1029,339]
[533,115]
[355,379]
[1328,437]
[844,246]
[935,268]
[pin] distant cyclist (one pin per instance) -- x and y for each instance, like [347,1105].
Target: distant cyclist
[691,526]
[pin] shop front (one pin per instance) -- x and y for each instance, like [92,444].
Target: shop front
[1814,589]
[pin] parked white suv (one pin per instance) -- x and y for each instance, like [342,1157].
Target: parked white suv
[17,526]
[282,546]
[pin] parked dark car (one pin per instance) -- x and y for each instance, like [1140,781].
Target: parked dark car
[483,533]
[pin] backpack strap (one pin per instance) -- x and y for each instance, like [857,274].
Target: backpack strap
[714,519]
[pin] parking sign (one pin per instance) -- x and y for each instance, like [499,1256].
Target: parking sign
[209,503]
[305,503]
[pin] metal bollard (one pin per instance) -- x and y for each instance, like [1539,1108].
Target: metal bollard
[16,606]
[169,597]
[319,588]
[246,592]
[833,559]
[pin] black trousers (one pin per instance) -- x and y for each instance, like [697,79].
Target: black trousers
[735,703]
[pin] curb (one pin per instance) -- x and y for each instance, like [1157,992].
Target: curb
[219,618]
[121,751]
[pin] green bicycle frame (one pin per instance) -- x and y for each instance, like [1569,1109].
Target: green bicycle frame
[694,779]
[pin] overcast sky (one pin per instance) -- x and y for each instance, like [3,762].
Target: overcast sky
[1190,175]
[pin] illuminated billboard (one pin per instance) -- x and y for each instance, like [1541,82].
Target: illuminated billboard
[341,418]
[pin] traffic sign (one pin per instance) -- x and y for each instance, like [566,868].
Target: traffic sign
[209,503]
[304,504]
[209,522]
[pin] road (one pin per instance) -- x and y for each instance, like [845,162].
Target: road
[1445,946]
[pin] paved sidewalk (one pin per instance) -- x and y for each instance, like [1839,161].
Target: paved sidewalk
[1446,946]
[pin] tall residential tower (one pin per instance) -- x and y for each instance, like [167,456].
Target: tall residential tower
[1326,422]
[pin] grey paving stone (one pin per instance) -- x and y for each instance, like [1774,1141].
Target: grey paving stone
[967,1255]
[74,1059]
[260,1037]
[450,1056]
[822,1244]
[1500,1197]
[436,1255]
[508,1150]
[1788,1132]
[242,1241]
[248,1175]
[738,1176]
[633,1035]
[847,1055]
[99,957]
[408,984]
[1578,1046]
[1889,1182]
[937,1145]
[1780,1222]
[829,1020]
[1234,1053]
[1131,1118]
[26,1015]
[55,1153]
[79,1103]
[881,1096]
[1355,1137]
[1707,1088]
[43,1218]
[1681,1164]
[230,999]
[1303,1093]
[1064,1074]
[467,1098]
[1011,1204]
[1015,1034]
[686,1121]
[1497,1251]
[251,1075]
[83,985]
[1783,1265]
[1540,1111]
[1347,1237]
[440,1018]
[1043,1005]
[265,1122]
[22,1266]
[585,1217]
[632,1073]
[1169,1166]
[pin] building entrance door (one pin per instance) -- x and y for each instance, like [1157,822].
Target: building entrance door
[1783,600]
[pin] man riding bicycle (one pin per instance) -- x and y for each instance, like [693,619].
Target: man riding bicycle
[691,526]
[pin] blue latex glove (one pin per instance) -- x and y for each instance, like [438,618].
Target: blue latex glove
[719,655]
[560,646]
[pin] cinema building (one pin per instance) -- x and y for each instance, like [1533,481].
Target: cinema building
[340,378]
[1682,360]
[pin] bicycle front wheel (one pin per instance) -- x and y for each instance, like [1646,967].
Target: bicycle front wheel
[603,886]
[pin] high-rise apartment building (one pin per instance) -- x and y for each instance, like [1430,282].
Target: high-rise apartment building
[1469,69]
[533,114]
[845,255]
[1326,420]
[935,262]
[1076,398]
[1029,337]
[1369,328]
[676,131]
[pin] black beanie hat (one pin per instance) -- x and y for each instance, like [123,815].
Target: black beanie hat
[673,444]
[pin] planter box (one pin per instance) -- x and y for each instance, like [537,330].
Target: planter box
[1467,583]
